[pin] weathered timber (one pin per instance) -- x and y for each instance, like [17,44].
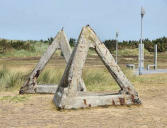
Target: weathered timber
[60,41]
[46,89]
[67,95]
[95,100]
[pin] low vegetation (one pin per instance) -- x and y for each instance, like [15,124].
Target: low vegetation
[50,76]
[17,98]
[131,52]
[97,79]
[132,44]
[10,80]
[31,48]
[21,48]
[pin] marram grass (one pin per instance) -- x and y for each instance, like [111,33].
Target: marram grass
[96,79]
[10,80]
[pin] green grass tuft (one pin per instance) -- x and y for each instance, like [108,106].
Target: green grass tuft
[17,98]
[50,76]
[99,80]
[131,52]
[9,80]
[96,79]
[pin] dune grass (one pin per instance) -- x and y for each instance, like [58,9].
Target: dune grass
[99,80]
[39,49]
[96,79]
[50,76]
[131,52]
[10,80]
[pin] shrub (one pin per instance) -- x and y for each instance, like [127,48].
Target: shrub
[4,45]
[19,45]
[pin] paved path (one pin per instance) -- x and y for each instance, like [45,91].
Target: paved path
[144,71]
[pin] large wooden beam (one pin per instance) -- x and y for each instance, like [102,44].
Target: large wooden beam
[60,41]
[109,61]
[30,85]
[88,100]
[46,89]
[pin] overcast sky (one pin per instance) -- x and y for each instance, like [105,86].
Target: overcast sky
[40,19]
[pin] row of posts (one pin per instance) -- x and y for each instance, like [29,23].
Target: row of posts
[141,49]
[140,57]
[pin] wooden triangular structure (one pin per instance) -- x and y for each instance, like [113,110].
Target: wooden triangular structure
[67,96]
[30,86]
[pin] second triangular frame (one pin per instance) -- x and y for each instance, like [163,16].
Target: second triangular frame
[31,86]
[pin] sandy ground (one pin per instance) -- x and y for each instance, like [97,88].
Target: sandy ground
[39,112]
